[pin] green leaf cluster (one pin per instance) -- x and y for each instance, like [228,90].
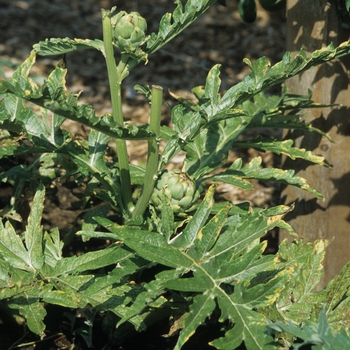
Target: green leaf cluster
[206,261]
[215,262]
[319,335]
[34,271]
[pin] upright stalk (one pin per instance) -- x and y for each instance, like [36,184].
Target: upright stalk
[153,152]
[115,89]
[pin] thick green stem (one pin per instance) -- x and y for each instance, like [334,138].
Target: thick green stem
[153,152]
[115,88]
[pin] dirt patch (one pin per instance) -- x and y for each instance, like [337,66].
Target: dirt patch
[219,36]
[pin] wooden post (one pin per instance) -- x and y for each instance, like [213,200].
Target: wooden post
[312,25]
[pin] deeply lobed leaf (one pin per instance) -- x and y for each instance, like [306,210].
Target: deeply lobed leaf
[222,264]
[52,95]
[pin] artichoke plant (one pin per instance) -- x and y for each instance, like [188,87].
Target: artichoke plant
[129,31]
[178,187]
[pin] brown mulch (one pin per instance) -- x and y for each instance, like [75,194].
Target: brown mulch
[219,36]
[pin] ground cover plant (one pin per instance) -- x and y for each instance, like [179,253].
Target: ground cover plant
[169,250]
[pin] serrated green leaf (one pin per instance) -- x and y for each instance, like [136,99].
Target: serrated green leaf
[126,265]
[59,297]
[304,265]
[110,292]
[207,236]
[5,274]
[149,245]
[15,117]
[202,307]
[58,46]
[172,24]
[185,123]
[92,164]
[212,85]
[290,328]
[74,282]
[146,296]
[33,235]
[52,95]
[249,327]
[261,294]
[281,147]
[186,238]
[317,335]
[31,308]
[10,146]
[12,248]
[233,338]
[236,246]
[34,313]
[236,176]
[89,261]
[21,84]
[209,149]
[12,280]
[241,231]
[52,247]
[338,288]
[268,111]
[97,234]
[338,300]
[89,224]
[287,121]
[245,266]
[200,282]
[107,294]
[98,143]
[67,290]
[261,78]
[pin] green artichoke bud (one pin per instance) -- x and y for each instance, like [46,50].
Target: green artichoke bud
[130,31]
[178,187]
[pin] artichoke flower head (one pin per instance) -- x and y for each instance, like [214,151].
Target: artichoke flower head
[129,31]
[179,188]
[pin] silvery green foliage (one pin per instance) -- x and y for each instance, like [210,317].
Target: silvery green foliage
[209,256]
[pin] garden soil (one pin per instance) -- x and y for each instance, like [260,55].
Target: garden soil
[218,37]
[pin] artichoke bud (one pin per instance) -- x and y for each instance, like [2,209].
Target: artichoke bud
[177,191]
[172,181]
[155,199]
[179,188]
[130,31]
[185,202]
